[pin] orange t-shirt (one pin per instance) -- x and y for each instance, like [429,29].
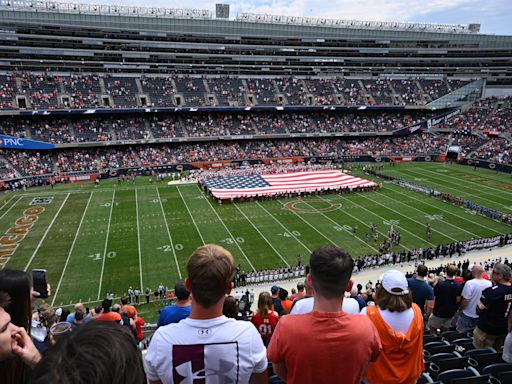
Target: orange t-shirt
[401,360]
[324,347]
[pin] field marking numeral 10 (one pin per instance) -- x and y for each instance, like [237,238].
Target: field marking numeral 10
[230,241]
[345,227]
[290,234]
[168,248]
[97,256]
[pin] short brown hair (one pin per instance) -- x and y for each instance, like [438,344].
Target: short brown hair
[210,273]
[331,268]
[393,303]
[452,270]
[422,270]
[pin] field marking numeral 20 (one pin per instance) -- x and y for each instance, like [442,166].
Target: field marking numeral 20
[168,248]
[97,256]
[340,228]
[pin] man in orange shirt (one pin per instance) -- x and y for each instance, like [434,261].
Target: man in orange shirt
[337,347]
[300,292]
[106,314]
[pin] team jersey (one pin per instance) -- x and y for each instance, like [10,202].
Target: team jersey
[498,302]
[265,326]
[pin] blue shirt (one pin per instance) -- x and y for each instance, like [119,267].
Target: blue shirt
[421,292]
[173,314]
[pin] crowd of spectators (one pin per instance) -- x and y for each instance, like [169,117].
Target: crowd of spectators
[496,150]
[84,91]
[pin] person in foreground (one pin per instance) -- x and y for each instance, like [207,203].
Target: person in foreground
[207,346]
[399,322]
[325,345]
[97,352]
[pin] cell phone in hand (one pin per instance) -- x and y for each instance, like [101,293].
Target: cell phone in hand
[40,282]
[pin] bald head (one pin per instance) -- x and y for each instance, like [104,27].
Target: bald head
[477,271]
[79,307]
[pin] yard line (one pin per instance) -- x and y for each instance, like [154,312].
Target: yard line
[70,251]
[46,232]
[16,202]
[338,224]
[419,210]
[450,213]
[192,217]
[227,229]
[286,229]
[7,202]
[106,243]
[364,223]
[459,192]
[138,237]
[316,230]
[261,234]
[169,233]
[401,214]
[471,181]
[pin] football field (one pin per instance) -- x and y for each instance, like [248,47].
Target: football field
[93,240]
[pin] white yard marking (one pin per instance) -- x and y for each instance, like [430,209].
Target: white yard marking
[7,202]
[364,223]
[169,234]
[190,214]
[138,237]
[45,233]
[71,250]
[106,244]
[286,229]
[227,229]
[262,235]
[410,218]
[449,213]
[16,202]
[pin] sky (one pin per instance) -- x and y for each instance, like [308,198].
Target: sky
[495,16]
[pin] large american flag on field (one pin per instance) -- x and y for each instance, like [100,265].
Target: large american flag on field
[271,184]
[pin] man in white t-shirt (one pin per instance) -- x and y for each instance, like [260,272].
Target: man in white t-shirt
[471,294]
[305,305]
[207,346]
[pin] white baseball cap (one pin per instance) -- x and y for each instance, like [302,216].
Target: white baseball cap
[395,283]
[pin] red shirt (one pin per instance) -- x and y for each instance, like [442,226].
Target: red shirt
[138,327]
[337,347]
[265,326]
[109,316]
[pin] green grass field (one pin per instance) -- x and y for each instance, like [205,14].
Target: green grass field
[92,240]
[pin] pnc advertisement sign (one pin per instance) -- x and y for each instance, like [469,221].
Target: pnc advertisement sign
[17,143]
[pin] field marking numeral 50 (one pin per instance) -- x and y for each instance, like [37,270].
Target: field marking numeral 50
[342,228]
[97,256]
[230,241]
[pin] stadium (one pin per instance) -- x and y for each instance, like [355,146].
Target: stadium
[131,136]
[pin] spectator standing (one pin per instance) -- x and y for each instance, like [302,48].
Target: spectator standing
[447,299]
[300,291]
[471,294]
[276,300]
[399,322]
[495,307]
[148,295]
[207,345]
[136,293]
[309,348]
[422,293]
[265,319]
[106,314]
[179,311]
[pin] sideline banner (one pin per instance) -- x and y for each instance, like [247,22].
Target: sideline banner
[18,143]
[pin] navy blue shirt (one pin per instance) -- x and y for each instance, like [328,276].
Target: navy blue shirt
[173,314]
[421,292]
[498,302]
[446,293]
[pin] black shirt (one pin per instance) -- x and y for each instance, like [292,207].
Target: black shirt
[446,293]
[498,302]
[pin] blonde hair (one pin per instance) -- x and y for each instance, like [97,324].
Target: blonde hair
[210,273]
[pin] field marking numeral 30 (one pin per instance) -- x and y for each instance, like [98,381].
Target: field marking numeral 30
[230,241]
